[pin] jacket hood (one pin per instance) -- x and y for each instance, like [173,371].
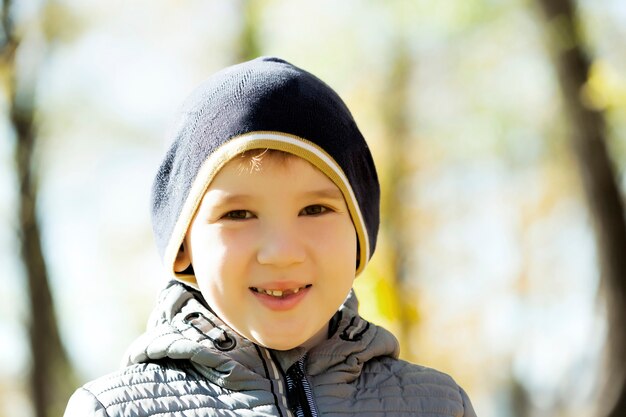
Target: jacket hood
[182,327]
[266,103]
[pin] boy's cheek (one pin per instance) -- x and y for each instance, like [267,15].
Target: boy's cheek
[218,237]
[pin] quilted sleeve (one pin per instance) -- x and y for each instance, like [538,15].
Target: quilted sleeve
[84,404]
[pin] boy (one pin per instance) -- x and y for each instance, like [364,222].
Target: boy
[265,209]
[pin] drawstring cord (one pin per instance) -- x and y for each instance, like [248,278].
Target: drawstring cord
[218,336]
[354,331]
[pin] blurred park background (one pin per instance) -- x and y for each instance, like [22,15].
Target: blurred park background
[498,128]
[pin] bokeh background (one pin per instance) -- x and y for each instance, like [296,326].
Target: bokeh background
[488,267]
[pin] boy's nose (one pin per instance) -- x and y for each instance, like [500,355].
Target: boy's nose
[280,248]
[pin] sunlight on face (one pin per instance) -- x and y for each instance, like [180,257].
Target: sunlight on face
[274,250]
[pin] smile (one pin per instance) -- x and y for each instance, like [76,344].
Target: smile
[279,293]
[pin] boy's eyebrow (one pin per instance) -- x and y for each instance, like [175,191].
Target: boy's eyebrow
[225,198]
[330,192]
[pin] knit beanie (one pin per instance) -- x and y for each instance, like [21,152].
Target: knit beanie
[266,103]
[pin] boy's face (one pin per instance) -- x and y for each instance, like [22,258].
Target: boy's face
[273,249]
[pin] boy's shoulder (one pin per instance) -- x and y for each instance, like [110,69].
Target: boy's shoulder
[155,386]
[427,389]
[407,372]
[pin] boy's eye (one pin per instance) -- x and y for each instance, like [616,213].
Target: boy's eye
[313,210]
[238,215]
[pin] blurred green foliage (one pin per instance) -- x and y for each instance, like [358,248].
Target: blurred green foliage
[488,269]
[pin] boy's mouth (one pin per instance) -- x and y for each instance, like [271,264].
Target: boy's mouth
[279,293]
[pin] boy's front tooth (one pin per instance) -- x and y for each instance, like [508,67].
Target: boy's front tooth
[277,293]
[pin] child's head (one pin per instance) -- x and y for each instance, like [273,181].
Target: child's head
[267,201]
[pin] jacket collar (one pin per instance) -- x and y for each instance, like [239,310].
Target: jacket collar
[182,327]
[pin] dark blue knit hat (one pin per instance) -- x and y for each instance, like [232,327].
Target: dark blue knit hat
[266,103]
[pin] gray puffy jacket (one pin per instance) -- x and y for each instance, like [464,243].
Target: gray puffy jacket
[190,364]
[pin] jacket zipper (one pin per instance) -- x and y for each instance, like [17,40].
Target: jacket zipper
[299,394]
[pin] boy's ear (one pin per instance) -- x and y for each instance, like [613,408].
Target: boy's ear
[183,260]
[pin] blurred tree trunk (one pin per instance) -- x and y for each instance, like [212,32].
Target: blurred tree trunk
[51,378]
[248,47]
[588,139]
[394,191]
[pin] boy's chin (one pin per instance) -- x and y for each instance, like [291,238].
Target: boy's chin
[281,348]
[284,345]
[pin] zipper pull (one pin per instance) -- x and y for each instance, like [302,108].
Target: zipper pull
[298,392]
[294,387]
